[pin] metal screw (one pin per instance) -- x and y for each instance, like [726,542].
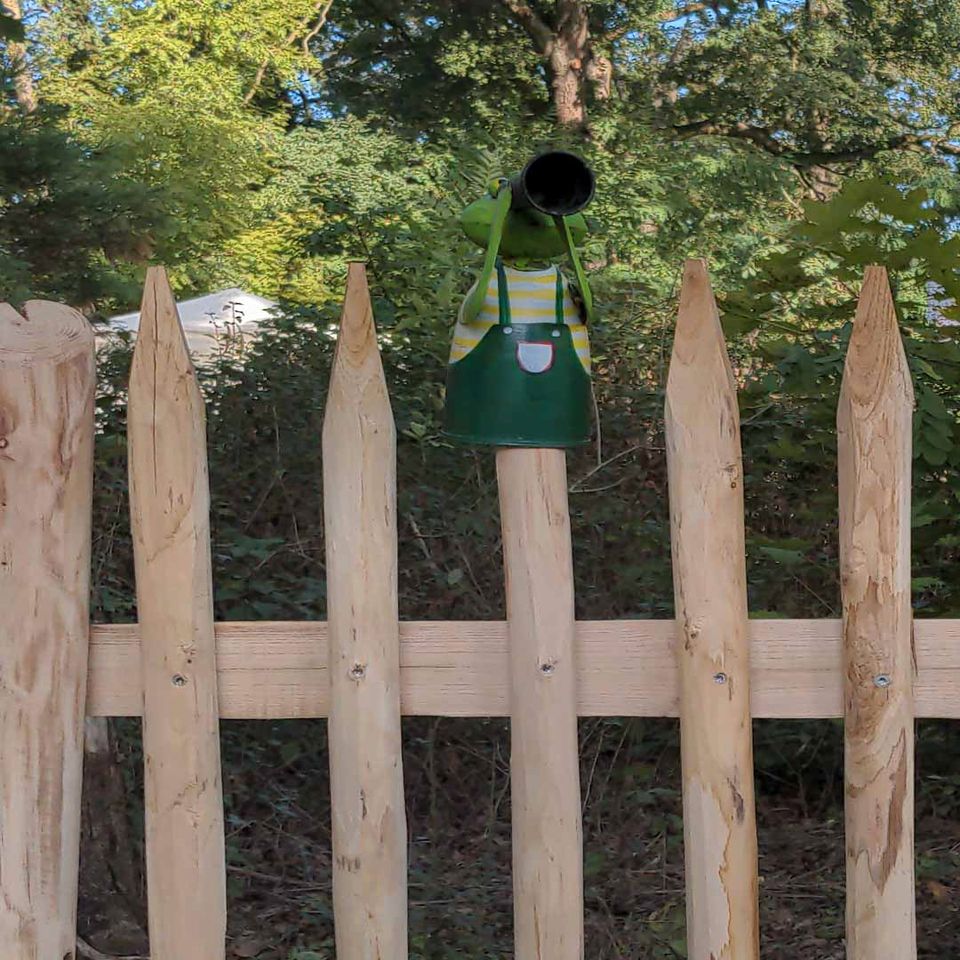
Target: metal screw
[358,671]
[508,330]
[555,333]
[719,678]
[547,668]
[882,680]
[178,680]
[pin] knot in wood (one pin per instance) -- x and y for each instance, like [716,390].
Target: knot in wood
[358,671]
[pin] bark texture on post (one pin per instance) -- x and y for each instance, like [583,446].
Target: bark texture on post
[544,763]
[360,519]
[47,382]
[713,647]
[874,427]
[170,517]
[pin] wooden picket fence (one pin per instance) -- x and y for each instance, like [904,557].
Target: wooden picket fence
[364,668]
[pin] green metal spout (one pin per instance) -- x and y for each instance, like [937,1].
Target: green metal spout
[556,183]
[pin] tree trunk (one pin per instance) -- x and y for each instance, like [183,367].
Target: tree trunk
[573,66]
[565,83]
[820,181]
[817,9]
[22,80]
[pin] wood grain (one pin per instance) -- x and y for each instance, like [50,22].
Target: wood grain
[713,647]
[874,427]
[273,670]
[170,518]
[544,761]
[47,383]
[360,519]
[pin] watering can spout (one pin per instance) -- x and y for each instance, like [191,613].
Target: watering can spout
[557,183]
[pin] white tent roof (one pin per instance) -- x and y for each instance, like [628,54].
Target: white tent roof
[206,318]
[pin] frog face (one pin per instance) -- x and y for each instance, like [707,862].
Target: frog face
[527,233]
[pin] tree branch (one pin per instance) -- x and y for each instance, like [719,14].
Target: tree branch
[617,33]
[761,136]
[666,16]
[87,952]
[315,29]
[766,140]
[321,10]
[530,20]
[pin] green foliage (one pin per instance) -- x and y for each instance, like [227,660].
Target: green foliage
[792,320]
[164,85]
[821,83]
[70,217]
[266,143]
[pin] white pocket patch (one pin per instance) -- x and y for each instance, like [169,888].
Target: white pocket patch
[535,357]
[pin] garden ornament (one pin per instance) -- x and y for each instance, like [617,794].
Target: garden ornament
[519,370]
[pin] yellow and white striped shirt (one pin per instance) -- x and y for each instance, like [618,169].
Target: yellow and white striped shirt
[532,295]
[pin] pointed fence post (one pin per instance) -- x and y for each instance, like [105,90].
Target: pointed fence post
[874,434]
[47,385]
[544,760]
[360,518]
[706,518]
[170,516]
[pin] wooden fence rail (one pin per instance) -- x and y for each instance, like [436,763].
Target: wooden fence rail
[364,669]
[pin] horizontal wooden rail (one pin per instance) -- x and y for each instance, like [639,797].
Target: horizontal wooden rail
[277,670]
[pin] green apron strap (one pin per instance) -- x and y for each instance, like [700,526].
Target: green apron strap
[503,295]
[581,277]
[560,319]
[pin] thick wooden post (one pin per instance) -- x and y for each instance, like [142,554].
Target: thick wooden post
[544,764]
[709,569]
[360,515]
[47,384]
[874,423]
[170,515]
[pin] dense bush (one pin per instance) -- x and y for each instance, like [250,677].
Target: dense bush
[264,143]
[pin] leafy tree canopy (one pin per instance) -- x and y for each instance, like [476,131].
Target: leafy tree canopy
[265,143]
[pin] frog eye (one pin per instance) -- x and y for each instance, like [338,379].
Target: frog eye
[496,185]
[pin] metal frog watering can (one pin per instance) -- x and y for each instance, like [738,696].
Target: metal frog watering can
[519,370]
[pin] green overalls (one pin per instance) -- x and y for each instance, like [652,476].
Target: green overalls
[523,385]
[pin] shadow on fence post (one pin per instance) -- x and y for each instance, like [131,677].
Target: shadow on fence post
[47,384]
[170,520]
[360,521]
[874,436]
